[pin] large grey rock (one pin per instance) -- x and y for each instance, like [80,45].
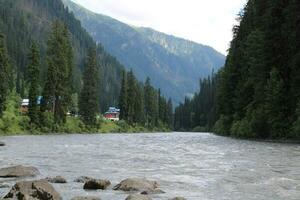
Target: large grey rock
[96,184]
[138,197]
[33,190]
[136,184]
[18,171]
[178,198]
[2,144]
[83,179]
[56,179]
[85,198]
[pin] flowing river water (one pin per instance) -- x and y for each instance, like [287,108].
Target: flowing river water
[197,166]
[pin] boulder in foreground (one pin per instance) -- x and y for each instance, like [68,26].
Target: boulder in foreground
[138,197]
[96,184]
[18,171]
[56,179]
[33,190]
[85,198]
[136,184]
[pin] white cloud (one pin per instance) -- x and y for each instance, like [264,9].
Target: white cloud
[205,21]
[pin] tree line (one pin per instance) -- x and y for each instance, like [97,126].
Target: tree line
[57,91]
[257,93]
[144,105]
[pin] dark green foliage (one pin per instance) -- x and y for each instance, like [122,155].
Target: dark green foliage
[89,99]
[141,104]
[151,104]
[56,93]
[200,111]
[5,74]
[123,97]
[33,71]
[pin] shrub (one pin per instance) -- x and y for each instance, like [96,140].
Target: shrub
[242,129]
[223,125]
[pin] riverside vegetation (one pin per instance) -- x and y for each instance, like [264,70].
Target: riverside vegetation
[140,106]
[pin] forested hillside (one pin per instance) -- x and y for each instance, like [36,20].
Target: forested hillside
[25,21]
[172,63]
[258,91]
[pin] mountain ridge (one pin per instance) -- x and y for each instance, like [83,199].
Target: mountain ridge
[174,64]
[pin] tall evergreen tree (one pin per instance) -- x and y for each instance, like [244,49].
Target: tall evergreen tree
[151,104]
[131,97]
[33,80]
[170,114]
[56,93]
[89,99]
[5,74]
[123,98]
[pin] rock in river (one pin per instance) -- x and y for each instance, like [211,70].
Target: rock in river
[136,184]
[96,184]
[56,179]
[138,197]
[85,198]
[2,144]
[156,191]
[33,190]
[18,171]
[178,198]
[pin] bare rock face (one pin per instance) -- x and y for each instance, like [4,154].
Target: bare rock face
[86,198]
[82,179]
[18,171]
[138,197]
[33,190]
[136,184]
[178,198]
[96,184]
[2,144]
[56,179]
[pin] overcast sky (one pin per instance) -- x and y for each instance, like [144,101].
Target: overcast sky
[204,21]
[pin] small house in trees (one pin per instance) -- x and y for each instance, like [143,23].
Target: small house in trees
[25,104]
[113,114]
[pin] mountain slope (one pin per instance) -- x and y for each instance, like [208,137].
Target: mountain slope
[173,64]
[25,20]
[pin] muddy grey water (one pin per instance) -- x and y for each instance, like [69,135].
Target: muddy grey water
[198,166]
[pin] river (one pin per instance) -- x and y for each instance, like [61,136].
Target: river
[198,166]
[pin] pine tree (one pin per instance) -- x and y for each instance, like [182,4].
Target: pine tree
[276,105]
[139,116]
[170,114]
[33,80]
[131,98]
[123,98]
[56,93]
[151,104]
[5,74]
[89,99]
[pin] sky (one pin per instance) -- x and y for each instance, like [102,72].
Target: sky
[208,22]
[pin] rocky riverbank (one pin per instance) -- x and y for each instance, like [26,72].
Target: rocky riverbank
[42,189]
